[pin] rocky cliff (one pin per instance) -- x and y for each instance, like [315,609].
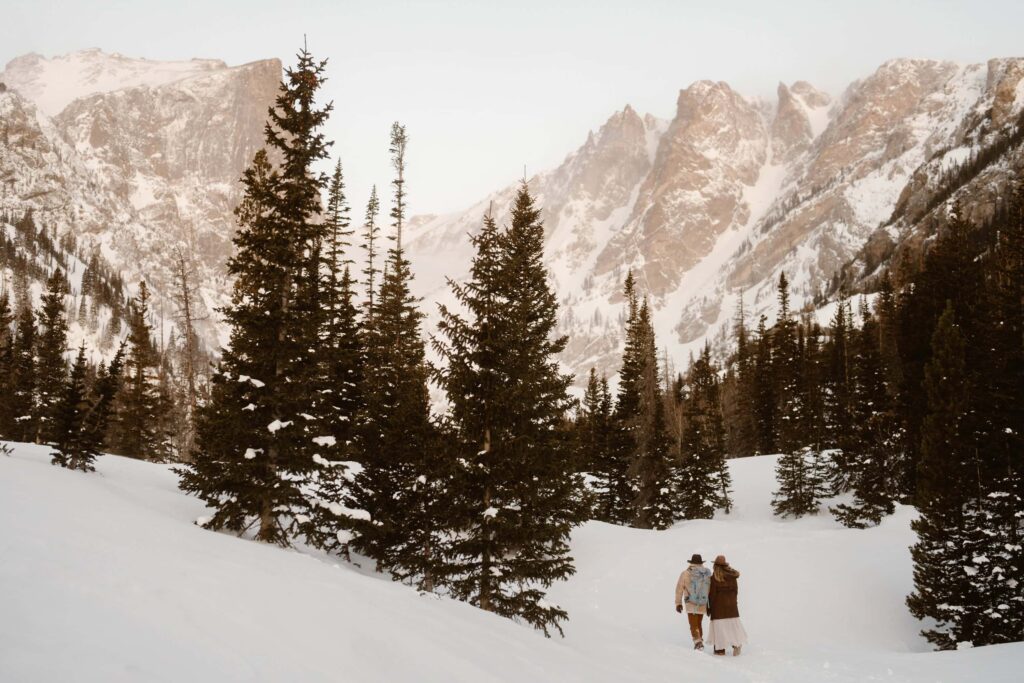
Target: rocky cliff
[139,158]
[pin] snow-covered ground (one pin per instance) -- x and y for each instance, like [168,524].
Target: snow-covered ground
[103,577]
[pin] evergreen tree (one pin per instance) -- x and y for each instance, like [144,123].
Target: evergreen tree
[395,497]
[799,492]
[763,386]
[256,436]
[994,562]
[951,273]
[519,495]
[340,357]
[618,502]
[888,329]
[705,482]
[23,376]
[370,232]
[96,424]
[997,535]
[739,393]
[839,387]
[943,591]
[6,366]
[139,428]
[50,348]
[69,420]
[597,455]
[81,416]
[801,472]
[785,363]
[643,440]
[658,480]
[874,462]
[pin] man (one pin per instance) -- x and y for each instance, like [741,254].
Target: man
[692,587]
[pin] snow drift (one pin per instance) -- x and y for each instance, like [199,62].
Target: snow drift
[104,577]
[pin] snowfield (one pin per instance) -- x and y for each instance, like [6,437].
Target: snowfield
[104,577]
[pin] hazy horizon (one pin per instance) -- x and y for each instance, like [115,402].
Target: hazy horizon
[485,90]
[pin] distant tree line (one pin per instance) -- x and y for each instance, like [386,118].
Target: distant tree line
[136,404]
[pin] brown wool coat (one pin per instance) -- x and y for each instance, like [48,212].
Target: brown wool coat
[722,596]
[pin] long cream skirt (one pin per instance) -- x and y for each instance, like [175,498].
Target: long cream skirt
[726,633]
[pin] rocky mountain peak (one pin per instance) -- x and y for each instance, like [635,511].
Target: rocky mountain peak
[811,96]
[791,128]
[714,145]
[52,83]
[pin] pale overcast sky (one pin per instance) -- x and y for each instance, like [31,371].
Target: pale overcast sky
[488,87]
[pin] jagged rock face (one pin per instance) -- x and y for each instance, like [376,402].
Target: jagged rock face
[160,146]
[1003,81]
[40,171]
[792,130]
[712,149]
[738,191]
[33,163]
[885,128]
[175,153]
[598,180]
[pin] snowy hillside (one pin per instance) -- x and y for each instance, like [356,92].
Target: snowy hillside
[104,578]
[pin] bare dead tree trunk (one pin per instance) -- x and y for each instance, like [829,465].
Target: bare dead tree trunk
[186,296]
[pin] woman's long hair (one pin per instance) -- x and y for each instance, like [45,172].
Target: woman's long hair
[723,570]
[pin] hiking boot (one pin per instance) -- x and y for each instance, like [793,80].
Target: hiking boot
[735,650]
[720,653]
[697,645]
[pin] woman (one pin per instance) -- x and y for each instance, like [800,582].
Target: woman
[726,629]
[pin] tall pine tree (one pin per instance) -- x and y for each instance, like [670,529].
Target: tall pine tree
[705,483]
[943,591]
[51,346]
[518,489]
[257,433]
[392,501]
[339,354]
[23,378]
[640,413]
[595,443]
[139,428]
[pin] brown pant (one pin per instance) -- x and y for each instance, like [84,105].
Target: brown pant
[696,626]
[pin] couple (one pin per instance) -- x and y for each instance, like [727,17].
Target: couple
[707,591]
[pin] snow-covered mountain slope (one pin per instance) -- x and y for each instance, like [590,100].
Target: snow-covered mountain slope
[140,158]
[95,301]
[712,206]
[105,578]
